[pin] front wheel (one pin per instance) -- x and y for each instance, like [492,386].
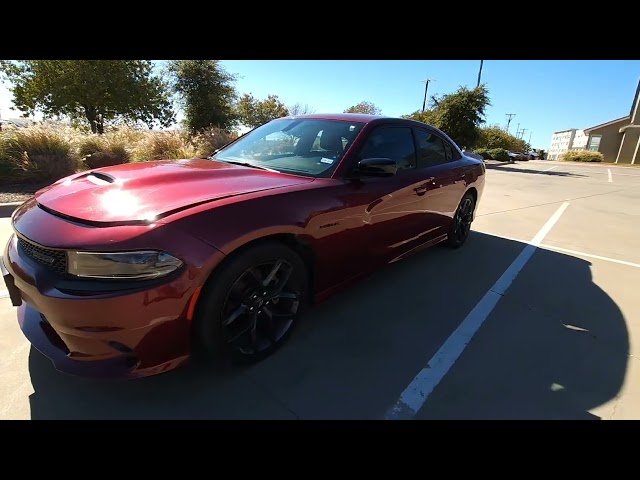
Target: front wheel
[251,306]
[461,224]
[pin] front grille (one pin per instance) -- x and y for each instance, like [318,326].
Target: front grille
[55,260]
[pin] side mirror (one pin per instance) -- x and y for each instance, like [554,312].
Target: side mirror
[376,167]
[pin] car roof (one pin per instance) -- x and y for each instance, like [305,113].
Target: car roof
[348,117]
[364,118]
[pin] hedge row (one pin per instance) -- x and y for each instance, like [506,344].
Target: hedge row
[499,154]
[581,156]
[46,152]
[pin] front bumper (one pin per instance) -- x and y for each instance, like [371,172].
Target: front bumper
[113,335]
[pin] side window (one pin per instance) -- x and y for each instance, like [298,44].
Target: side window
[431,149]
[452,153]
[395,143]
[448,151]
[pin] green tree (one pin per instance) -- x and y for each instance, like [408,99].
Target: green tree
[253,112]
[459,114]
[495,137]
[98,91]
[364,107]
[206,93]
[428,116]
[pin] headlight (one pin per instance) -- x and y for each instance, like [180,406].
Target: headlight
[145,264]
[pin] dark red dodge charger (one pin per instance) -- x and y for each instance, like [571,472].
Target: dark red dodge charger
[126,271]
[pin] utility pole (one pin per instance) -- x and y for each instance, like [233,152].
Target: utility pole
[480,73]
[517,130]
[426,87]
[522,133]
[529,142]
[509,117]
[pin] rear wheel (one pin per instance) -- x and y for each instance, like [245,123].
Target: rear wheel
[251,306]
[461,224]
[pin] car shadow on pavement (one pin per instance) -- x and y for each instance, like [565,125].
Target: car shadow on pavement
[554,173]
[555,346]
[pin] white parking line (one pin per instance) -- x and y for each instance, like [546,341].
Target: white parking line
[589,255]
[609,173]
[4,293]
[416,394]
[549,169]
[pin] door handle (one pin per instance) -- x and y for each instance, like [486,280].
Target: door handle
[422,189]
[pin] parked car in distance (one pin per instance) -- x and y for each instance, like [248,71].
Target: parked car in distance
[517,156]
[130,270]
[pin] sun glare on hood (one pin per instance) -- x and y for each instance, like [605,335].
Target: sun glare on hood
[119,203]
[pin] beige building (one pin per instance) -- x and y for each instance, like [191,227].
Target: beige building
[617,140]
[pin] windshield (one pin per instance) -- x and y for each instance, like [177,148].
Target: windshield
[302,146]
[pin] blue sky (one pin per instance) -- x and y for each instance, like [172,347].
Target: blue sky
[545,95]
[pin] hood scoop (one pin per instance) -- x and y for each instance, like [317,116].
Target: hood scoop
[99,178]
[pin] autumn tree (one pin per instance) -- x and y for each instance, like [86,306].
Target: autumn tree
[98,91]
[206,92]
[253,112]
[364,107]
[495,137]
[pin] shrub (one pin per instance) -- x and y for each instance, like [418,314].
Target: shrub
[499,154]
[164,146]
[483,152]
[207,142]
[103,150]
[581,156]
[36,154]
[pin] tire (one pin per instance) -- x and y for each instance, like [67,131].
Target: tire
[462,219]
[227,305]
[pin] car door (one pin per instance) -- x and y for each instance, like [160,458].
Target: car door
[440,161]
[391,210]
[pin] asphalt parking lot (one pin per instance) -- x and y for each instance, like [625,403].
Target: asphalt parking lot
[537,317]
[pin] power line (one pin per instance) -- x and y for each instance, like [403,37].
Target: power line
[426,87]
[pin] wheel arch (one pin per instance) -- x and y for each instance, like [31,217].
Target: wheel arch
[292,240]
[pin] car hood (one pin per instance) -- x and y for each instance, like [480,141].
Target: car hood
[144,192]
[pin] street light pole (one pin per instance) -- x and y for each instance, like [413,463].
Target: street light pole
[480,73]
[426,87]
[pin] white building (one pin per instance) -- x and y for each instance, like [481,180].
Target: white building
[564,140]
[580,140]
[561,142]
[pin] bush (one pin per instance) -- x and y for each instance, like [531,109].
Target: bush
[164,146]
[103,150]
[581,156]
[483,152]
[499,154]
[35,154]
[207,142]
[49,151]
